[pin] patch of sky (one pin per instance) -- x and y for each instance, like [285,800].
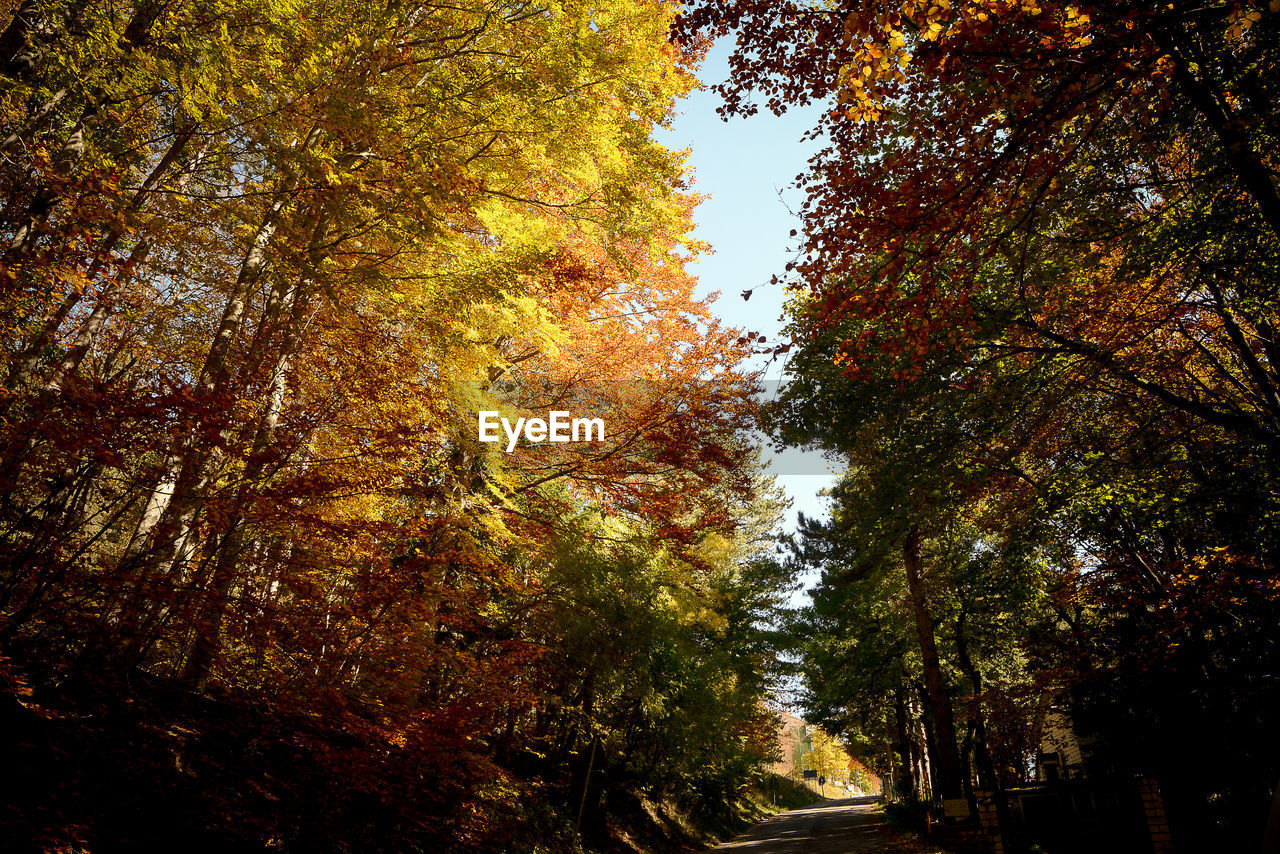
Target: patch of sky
[747,168]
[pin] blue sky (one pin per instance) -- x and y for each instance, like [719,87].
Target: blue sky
[747,167]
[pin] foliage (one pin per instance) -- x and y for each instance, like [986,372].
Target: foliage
[1035,310]
[263,264]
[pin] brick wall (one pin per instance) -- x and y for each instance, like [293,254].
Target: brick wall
[1157,820]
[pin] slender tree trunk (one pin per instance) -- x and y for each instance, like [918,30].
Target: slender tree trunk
[982,753]
[214,374]
[929,738]
[986,768]
[19,55]
[37,120]
[160,545]
[906,782]
[948,772]
[295,302]
[42,204]
[72,151]
[234,542]
[87,334]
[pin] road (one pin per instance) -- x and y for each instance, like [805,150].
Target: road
[849,826]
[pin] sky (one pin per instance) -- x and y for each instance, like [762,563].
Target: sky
[747,167]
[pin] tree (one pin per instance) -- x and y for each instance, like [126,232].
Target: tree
[828,757]
[1051,225]
[263,264]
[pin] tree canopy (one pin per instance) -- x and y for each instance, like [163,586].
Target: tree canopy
[264,263]
[1033,309]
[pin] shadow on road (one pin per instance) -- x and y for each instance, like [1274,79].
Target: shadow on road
[845,826]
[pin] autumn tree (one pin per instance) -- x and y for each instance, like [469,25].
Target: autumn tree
[262,265]
[1056,224]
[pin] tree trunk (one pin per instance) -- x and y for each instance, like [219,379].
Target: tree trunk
[72,151]
[1251,171]
[986,767]
[161,544]
[906,781]
[19,55]
[85,336]
[296,300]
[948,777]
[214,375]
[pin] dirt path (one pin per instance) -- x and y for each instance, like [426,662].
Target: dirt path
[849,826]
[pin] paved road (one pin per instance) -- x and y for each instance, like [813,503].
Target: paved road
[849,826]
